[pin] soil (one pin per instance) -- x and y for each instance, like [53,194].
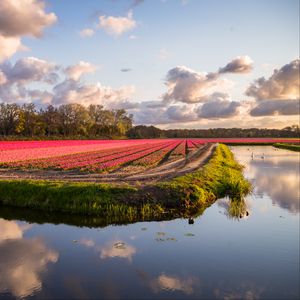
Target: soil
[134,175]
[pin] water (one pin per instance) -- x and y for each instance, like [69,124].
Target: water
[250,251]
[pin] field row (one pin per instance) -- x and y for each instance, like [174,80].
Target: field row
[105,160]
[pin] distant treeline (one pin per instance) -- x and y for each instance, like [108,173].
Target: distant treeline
[153,132]
[64,121]
[75,121]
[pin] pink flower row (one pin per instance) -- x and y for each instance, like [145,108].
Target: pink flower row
[180,150]
[157,156]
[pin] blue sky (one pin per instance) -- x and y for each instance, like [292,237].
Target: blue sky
[200,35]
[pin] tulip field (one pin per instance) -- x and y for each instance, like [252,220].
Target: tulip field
[102,155]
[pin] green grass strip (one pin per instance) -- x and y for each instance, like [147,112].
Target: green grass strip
[291,147]
[185,195]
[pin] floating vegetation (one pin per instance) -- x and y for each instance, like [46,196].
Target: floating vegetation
[189,234]
[120,245]
[161,233]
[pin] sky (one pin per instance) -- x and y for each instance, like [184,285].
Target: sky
[170,63]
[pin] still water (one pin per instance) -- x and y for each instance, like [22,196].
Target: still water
[247,251]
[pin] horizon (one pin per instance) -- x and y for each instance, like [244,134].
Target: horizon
[172,64]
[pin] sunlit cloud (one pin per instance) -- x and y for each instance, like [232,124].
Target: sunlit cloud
[171,283]
[119,249]
[76,71]
[279,94]
[116,26]
[86,32]
[21,18]
[22,261]
[241,64]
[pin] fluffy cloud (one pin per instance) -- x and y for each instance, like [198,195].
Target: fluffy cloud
[86,32]
[21,18]
[30,69]
[174,283]
[117,25]
[219,108]
[76,71]
[279,94]
[241,64]
[276,107]
[72,91]
[16,83]
[117,249]
[24,17]
[189,86]
[9,46]
[283,84]
[21,279]
[180,113]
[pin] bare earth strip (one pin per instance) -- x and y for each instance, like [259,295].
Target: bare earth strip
[130,174]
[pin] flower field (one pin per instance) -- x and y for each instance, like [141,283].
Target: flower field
[103,155]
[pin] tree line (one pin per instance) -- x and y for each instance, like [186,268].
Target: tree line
[142,131]
[74,121]
[65,121]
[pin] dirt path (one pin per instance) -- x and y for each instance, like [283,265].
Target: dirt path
[168,170]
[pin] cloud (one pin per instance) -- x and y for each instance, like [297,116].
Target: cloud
[279,94]
[133,37]
[174,283]
[86,32]
[60,85]
[21,18]
[21,279]
[25,278]
[9,46]
[241,64]
[71,91]
[126,70]
[10,230]
[76,71]
[116,26]
[181,113]
[117,249]
[29,69]
[188,86]
[219,107]
[276,107]
[283,84]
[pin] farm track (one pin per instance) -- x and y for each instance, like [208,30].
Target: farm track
[193,161]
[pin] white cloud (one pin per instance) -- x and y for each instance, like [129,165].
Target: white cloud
[279,94]
[9,46]
[117,25]
[22,279]
[86,32]
[21,18]
[117,249]
[283,84]
[76,71]
[16,83]
[189,86]
[174,283]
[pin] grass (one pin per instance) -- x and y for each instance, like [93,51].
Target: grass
[291,147]
[183,196]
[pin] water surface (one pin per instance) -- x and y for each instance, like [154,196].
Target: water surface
[246,251]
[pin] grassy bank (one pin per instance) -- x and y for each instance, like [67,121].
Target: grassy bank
[288,146]
[186,195]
